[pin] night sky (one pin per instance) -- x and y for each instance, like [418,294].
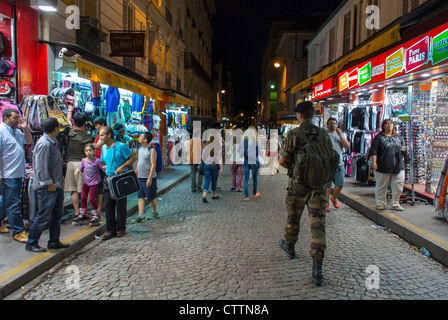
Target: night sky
[241,29]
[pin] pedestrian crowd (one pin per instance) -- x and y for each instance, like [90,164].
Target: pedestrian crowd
[90,163]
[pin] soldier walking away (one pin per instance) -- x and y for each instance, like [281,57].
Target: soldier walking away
[306,185]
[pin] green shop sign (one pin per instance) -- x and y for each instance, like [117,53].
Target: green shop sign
[440,47]
[365,74]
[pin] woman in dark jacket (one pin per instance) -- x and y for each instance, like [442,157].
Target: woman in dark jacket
[386,154]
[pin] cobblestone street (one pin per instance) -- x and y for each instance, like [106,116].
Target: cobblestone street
[228,249]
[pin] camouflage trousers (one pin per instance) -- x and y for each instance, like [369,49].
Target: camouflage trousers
[298,197]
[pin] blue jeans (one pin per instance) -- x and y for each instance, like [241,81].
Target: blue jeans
[51,211]
[247,169]
[10,204]
[211,174]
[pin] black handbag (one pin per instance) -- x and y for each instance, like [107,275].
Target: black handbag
[201,169]
[123,184]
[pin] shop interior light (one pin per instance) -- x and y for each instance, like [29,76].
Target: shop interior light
[400,81]
[426,75]
[48,9]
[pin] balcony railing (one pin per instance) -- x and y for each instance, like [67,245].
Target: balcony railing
[192,63]
[88,35]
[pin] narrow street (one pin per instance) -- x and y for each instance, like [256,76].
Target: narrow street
[228,249]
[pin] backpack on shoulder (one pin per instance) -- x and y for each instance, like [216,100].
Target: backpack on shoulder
[316,164]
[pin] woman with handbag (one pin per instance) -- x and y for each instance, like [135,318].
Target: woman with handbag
[117,158]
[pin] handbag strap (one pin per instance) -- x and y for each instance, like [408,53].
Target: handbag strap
[113,156]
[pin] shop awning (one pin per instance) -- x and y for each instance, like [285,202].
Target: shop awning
[95,73]
[176,97]
[101,68]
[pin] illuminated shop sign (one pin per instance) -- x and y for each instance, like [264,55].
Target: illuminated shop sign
[423,52]
[324,89]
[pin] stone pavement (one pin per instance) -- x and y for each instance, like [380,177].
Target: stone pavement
[228,249]
[18,266]
[418,224]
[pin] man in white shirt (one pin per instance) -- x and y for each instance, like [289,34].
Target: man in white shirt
[14,134]
[339,144]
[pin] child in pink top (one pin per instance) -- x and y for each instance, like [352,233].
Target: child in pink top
[91,167]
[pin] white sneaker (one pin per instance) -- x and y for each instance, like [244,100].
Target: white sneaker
[380,207]
[398,208]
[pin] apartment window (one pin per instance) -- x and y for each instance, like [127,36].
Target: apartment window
[371,32]
[321,53]
[305,52]
[331,48]
[409,5]
[347,32]
[128,16]
[128,24]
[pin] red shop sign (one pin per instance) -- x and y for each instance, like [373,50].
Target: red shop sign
[417,55]
[324,89]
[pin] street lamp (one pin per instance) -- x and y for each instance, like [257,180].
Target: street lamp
[277,65]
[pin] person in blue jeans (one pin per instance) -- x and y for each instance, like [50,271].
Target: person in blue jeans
[117,158]
[49,183]
[249,149]
[14,134]
[212,167]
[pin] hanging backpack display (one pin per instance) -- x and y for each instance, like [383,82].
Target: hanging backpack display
[54,110]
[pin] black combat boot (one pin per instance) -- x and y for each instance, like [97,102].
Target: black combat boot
[318,277]
[288,248]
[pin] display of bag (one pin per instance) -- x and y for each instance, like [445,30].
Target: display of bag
[54,110]
[37,108]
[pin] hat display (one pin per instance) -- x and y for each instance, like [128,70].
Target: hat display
[5,67]
[6,87]
[12,67]
[69,94]
[304,106]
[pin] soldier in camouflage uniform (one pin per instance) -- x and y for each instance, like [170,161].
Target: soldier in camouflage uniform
[300,195]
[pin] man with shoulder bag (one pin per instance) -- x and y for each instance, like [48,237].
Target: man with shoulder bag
[311,161]
[117,158]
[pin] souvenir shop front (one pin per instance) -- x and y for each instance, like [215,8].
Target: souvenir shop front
[98,91]
[177,116]
[407,84]
[358,117]
[18,37]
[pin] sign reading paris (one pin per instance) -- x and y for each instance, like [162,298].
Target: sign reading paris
[127,44]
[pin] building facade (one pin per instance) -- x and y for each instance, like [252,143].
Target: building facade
[285,63]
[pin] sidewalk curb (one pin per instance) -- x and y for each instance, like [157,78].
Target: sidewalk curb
[50,259]
[437,248]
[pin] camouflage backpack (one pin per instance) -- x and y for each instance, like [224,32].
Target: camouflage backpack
[316,163]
